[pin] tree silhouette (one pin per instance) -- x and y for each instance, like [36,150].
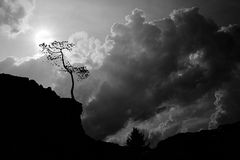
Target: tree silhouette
[55,53]
[136,139]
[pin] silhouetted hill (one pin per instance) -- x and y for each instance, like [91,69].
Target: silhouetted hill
[220,143]
[38,124]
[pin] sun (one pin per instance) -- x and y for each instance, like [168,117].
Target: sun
[43,36]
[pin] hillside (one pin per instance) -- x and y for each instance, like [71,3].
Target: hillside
[38,124]
[221,143]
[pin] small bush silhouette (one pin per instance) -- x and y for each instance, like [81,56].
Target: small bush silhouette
[136,139]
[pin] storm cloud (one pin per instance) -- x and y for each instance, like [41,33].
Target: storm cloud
[14,15]
[181,61]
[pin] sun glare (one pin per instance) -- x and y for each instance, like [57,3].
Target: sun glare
[43,36]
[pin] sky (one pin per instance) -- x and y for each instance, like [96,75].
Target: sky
[164,66]
[63,18]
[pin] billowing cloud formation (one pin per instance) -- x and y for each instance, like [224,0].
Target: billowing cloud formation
[182,60]
[172,118]
[14,15]
[88,50]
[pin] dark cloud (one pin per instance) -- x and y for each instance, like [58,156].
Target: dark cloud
[179,60]
[14,15]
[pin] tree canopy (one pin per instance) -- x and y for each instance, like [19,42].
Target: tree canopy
[136,139]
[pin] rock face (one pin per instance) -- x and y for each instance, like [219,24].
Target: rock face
[35,117]
[38,124]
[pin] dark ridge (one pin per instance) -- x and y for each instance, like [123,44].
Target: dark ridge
[220,143]
[38,124]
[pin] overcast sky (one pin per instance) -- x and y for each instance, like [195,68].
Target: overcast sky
[169,66]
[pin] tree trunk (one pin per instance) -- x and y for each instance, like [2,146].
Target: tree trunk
[72,88]
[71,74]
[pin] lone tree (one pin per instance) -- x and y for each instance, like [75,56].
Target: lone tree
[136,139]
[55,53]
